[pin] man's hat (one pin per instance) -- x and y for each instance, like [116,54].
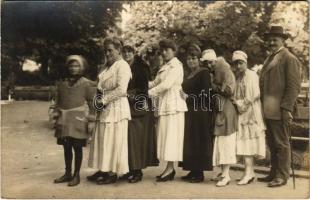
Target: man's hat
[276,31]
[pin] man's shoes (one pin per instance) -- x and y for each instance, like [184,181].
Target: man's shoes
[277,182]
[265,179]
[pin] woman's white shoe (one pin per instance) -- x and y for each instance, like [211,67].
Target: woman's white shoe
[225,181]
[246,180]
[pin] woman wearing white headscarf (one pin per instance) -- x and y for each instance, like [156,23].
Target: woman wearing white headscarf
[251,127]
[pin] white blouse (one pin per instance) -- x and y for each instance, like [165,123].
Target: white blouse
[113,83]
[166,89]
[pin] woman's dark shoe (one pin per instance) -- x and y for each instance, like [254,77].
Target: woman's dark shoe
[108,180]
[168,177]
[75,181]
[188,176]
[157,177]
[65,178]
[96,175]
[137,177]
[196,179]
[126,176]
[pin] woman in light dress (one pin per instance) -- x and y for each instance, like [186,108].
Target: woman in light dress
[251,128]
[109,146]
[170,108]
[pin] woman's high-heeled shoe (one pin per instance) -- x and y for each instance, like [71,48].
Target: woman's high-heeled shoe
[137,177]
[168,177]
[157,177]
[108,180]
[188,176]
[225,181]
[245,182]
[126,176]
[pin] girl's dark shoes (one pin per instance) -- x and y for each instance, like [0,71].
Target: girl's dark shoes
[107,180]
[137,177]
[75,181]
[168,177]
[65,178]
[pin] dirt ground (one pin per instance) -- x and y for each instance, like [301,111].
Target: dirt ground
[30,160]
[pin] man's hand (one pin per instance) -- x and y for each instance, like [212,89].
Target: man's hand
[287,117]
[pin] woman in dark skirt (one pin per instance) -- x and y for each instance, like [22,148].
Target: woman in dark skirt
[198,147]
[71,128]
[141,130]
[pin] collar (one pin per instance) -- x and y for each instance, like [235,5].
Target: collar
[280,49]
[168,64]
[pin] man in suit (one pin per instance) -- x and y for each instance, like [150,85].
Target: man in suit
[280,85]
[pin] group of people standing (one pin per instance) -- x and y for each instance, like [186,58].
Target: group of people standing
[206,119]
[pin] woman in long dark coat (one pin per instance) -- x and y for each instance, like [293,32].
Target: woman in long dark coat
[198,148]
[141,129]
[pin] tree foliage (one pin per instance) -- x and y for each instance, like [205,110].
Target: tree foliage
[47,31]
[294,17]
[224,25]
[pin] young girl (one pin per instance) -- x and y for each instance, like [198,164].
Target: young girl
[71,129]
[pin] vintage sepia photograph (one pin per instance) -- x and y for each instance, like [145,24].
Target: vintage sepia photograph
[155,99]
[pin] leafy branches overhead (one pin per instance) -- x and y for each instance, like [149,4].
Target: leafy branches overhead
[50,30]
[223,25]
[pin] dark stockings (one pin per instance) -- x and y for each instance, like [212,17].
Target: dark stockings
[68,159]
[78,159]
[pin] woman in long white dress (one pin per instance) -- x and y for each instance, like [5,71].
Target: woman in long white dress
[109,146]
[166,90]
[251,127]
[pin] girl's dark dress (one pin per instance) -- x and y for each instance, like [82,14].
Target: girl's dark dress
[141,129]
[198,137]
[71,102]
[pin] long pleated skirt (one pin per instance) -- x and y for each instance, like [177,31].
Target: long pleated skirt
[170,137]
[109,147]
[142,142]
[224,151]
